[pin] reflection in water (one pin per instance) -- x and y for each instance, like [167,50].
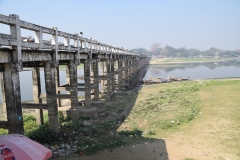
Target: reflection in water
[196,70]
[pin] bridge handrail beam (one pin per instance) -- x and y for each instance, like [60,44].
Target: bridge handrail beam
[86,43]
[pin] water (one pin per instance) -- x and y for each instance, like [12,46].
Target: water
[195,71]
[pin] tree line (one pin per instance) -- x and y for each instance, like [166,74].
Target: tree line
[168,51]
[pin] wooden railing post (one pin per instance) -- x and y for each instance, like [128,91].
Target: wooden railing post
[16,50]
[55,42]
[39,37]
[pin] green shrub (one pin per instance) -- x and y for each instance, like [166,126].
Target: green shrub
[43,135]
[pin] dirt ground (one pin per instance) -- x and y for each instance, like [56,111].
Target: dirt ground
[205,138]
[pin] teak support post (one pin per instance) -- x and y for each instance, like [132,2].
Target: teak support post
[120,74]
[13,101]
[36,93]
[3,109]
[50,85]
[87,83]
[108,80]
[112,75]
[73,90]
[96,81]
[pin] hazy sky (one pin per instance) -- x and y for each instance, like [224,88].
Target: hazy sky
[199,24]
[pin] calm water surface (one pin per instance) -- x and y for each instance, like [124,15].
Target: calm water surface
[193,71]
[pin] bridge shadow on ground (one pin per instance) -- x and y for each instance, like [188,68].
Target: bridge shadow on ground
[106,137]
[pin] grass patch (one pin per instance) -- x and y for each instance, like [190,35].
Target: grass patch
[160,107]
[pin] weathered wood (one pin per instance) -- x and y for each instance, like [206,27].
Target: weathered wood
[3,109]
[64,96]
[49,54]
[96,81]
[120,74]
[36,93]
[57,80]
[126,69]
[39,37]
[16,50]
[73,91]
[13,99]
[37,106]
[64,88]
[81,89]
[108,80]
[112,75]
[87,83]
[102,77]
[51,97]
[81,84]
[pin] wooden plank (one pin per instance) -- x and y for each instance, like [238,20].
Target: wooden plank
[8,42]
[81,89]
[63,96]
[63,88]
[34,105]
[81,84]
[6,20]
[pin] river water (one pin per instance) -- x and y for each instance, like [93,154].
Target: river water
[206,70]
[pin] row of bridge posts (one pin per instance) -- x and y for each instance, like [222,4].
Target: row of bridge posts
[128,71]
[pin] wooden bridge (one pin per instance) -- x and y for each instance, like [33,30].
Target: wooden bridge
[126,65]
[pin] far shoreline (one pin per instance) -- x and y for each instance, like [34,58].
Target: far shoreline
[185,61]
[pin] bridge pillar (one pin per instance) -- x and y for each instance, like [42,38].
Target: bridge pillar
[120,73]
[57,78]
[68,101]
[50,86]
[126,72]
[108,80]
[134,72]
[36,93]
[96,81]
[103,73]
[113,75]
[13,101]
[131,73]
[3,109]
[87,82]
[73,90]
[96,102]
[138,70]
[88,110]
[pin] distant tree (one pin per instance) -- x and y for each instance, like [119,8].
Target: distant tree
[154,46]
[140,50]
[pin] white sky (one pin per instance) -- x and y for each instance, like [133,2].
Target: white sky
[199,24]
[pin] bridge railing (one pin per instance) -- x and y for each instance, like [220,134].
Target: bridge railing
[81,44]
